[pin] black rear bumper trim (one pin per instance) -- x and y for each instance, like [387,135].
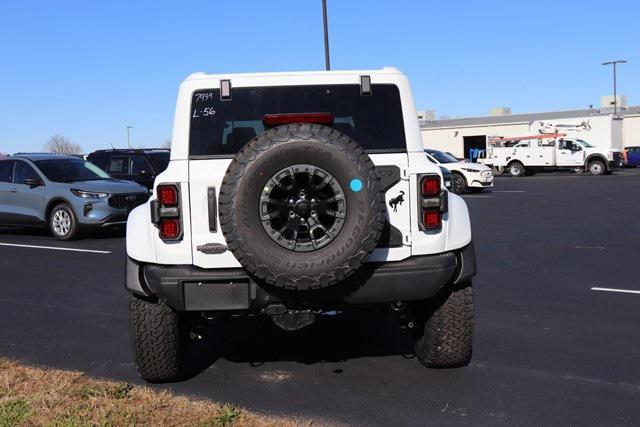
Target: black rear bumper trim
[190,288]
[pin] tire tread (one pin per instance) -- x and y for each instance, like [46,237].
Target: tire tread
[157,340]
[447,338]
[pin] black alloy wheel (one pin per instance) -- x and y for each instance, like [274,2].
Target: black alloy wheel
[302,208]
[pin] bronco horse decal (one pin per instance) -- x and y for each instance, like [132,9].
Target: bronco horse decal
[396,201]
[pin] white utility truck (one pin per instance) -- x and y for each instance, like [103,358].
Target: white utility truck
[520,155]
[294,196]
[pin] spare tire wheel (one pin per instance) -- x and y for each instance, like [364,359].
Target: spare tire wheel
[301,206]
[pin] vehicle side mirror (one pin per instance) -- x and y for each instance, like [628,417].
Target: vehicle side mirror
[33,182]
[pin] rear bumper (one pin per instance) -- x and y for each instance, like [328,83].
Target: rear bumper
[190,288]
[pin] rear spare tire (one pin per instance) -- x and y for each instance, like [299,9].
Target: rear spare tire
[301,206]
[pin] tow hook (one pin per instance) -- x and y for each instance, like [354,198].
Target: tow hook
[403,314]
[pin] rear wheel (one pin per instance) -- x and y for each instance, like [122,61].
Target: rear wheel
[516,169]
[597,167]
[62,222]
[158,339]
[447,337]
[458,183]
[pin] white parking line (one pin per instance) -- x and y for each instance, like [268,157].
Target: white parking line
[624,291]
[55,248]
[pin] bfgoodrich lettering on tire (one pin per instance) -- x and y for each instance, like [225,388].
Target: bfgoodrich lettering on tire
[301,206]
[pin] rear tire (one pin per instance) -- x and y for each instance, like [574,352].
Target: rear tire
[62,222]
[597,167]
[158,339]
[447,337]
[516,169]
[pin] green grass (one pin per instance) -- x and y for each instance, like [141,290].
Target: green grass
[227,415]
[12,412]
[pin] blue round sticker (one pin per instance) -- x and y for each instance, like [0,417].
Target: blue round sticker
[356,185]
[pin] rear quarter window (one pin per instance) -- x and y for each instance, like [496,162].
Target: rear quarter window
[118,165]
[222,127]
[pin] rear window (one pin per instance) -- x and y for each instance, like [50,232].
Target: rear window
[222,127]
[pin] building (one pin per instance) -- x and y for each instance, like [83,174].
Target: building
[462,136]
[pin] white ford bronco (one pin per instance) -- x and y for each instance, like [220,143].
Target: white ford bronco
[292,196]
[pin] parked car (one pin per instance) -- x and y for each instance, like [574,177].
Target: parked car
[464,175]
[138,165]
[277,206]
[64,193]
[633,156]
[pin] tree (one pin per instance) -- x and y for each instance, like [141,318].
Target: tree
[62,145]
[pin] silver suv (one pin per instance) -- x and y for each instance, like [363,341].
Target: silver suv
[65,193]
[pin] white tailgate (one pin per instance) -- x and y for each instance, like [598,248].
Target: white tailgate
[202,175]
[209,173]
[400,219]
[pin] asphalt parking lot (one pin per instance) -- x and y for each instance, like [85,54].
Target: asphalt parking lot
[548,348]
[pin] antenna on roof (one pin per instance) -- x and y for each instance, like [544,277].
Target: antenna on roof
[325,25]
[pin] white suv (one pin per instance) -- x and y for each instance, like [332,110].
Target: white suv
[291,195]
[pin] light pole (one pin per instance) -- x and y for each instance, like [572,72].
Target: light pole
[327,63]
[615,97]
[129,136]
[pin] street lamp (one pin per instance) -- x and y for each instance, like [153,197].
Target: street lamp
[129,136]
[615,98]
[327,63]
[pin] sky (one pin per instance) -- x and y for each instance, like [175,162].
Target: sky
[87,69]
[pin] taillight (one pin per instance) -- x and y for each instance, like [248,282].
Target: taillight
[431,219]
[169,228]
[167,195]
[271,120]
[166,212]
[430,186]
[432,202]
